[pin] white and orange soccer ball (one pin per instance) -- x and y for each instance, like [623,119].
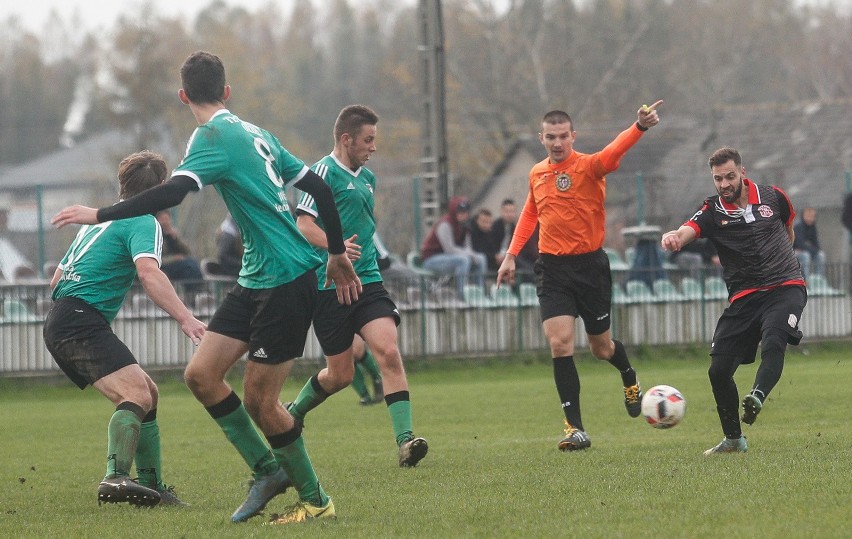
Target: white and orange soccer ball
[663,407]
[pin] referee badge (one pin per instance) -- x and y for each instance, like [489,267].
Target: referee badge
[563,182]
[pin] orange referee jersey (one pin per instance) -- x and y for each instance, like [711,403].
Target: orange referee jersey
[567,200]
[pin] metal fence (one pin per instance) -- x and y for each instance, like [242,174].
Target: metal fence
[438,317]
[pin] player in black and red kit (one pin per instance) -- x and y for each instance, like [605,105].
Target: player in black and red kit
[751,227]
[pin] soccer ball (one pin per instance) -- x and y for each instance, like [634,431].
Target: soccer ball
[663,407]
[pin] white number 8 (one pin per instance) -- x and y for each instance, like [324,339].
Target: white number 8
[266,152]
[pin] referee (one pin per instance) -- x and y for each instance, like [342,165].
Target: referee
[566,198]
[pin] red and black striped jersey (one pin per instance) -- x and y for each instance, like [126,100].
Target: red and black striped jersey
[753,243]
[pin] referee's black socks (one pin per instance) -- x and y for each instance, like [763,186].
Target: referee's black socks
[619,361]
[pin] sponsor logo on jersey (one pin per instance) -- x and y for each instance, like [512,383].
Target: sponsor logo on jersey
[260,353]
[765,211]
[68,274]
[563,182]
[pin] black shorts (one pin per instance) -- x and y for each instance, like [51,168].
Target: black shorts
[576,285]
[743,323]
[335,325]
[82,343]
[273,321]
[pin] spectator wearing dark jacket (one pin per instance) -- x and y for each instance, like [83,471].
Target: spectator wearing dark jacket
[482,239]
[806,244]
[447,248]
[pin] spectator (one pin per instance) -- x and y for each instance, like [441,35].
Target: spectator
[504,227]
[178,263]
[229,248]
[394,272]
[482,239]
[698,258]
[502,232]
[447,250]
[806,244]
[525,261]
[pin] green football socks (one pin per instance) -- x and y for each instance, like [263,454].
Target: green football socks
[311,396]
[369,363]
[399,407]
[235,422]
[148,460]
[289,450]
[358,383]
[122,438]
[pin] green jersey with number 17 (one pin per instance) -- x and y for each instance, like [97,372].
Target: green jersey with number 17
[353,195]
[100,265]
[251,170]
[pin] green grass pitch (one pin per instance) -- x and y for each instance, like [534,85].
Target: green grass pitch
[493,469]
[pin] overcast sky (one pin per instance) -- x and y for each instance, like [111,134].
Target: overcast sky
[102,13]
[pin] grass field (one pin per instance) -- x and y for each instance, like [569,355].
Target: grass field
[493,469]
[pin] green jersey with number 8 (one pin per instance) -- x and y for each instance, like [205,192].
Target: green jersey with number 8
[251,171]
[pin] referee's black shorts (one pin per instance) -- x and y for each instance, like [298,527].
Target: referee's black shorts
[82,343]
[743,323]
[335,324]
[576,285]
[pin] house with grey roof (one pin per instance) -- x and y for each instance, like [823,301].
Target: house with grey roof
[84,173]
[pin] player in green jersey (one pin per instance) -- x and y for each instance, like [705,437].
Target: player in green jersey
[89,286]
[374,316]
[268,313]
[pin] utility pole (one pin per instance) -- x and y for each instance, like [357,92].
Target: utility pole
[434,175]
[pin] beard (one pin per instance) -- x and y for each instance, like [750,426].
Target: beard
[733,195]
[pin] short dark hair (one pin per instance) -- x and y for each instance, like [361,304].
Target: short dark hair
[352,118]
[203,78]
[507,201]
[723,155]
[484,211]
[140,171]
[557,117]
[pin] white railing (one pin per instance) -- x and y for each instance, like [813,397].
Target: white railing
[441,324]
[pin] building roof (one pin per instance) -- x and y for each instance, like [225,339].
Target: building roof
[805,148]
[94,159]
